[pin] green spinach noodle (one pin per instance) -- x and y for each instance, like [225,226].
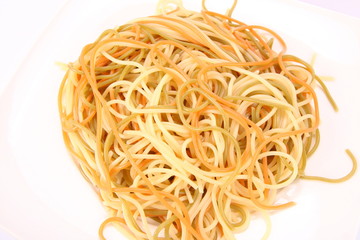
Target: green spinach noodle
[188,122]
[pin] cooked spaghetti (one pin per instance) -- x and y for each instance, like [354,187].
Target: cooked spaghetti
[186,123]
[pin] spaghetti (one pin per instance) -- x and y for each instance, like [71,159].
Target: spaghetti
[186,123]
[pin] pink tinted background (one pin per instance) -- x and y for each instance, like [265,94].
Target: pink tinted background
[349,7]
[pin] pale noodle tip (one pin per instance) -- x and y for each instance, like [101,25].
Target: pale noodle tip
[186,123]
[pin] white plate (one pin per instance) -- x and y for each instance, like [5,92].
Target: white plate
[43,196]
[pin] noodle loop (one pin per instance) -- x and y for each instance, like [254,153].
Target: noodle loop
[188,122]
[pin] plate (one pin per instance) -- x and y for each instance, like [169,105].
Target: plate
[43,196]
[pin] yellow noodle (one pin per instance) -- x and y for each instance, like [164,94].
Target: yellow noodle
[186,123]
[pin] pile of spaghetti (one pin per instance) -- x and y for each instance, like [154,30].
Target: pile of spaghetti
[186,123]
